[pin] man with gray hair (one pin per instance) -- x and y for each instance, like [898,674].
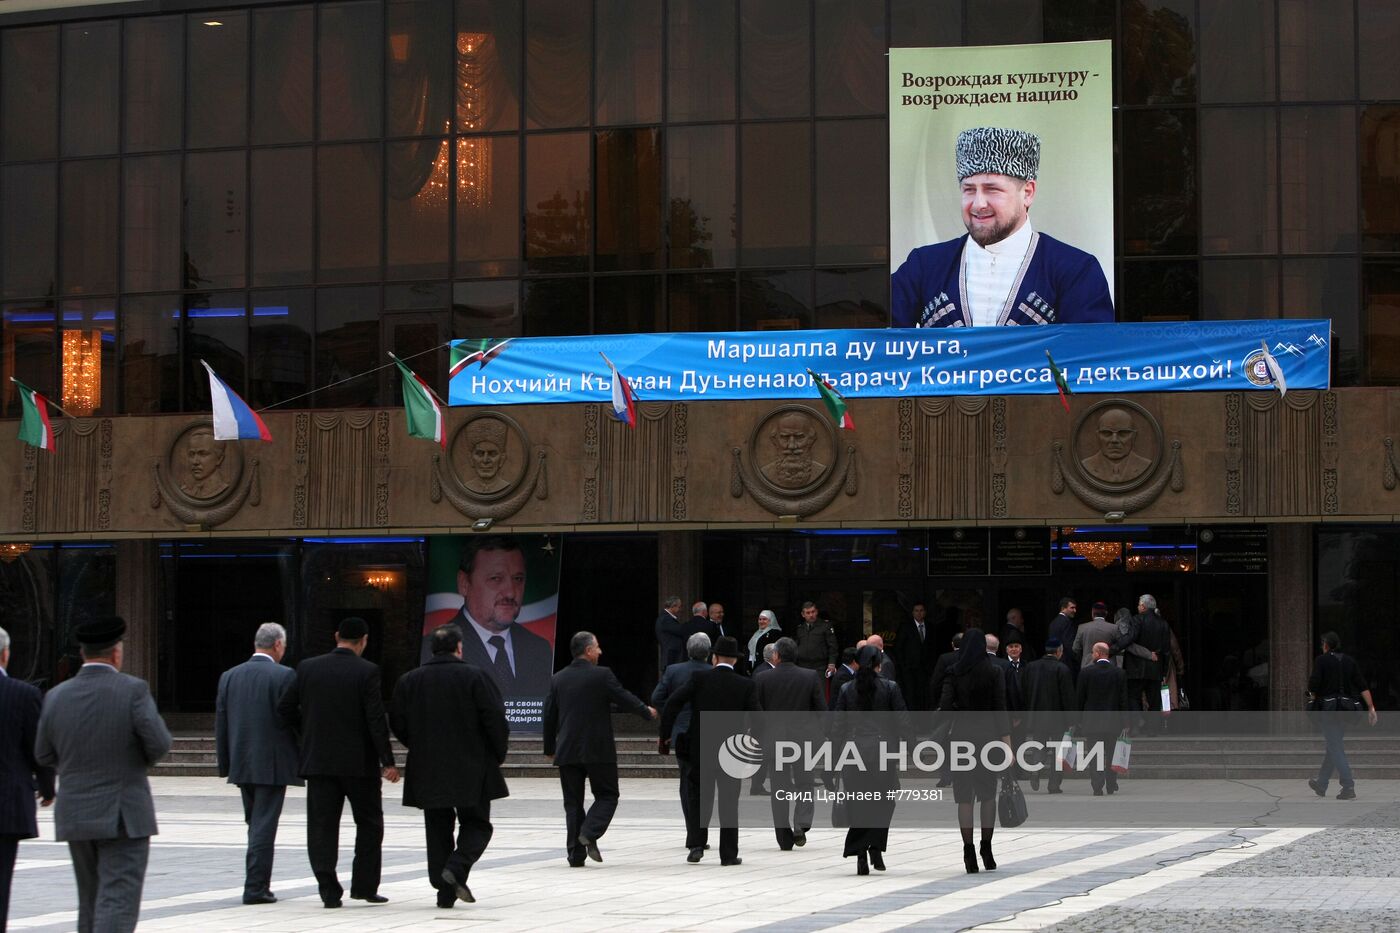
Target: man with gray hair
[256,751]
[22,778]
[1144,648]
[676,676]
[793,689]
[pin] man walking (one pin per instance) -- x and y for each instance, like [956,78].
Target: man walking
[336,707]
[1145,646]
[675,677]
[100,731]
[718,689]
[669,640]
[915,652]
[256,750]
[578,735]
[1047,692]
[1097,629]
[789,688]
[1063,628]
[21,777]
[1338,687]
[452,719]
[1103,701]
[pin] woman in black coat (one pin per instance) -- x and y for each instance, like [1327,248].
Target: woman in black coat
[975,690]
[868,692]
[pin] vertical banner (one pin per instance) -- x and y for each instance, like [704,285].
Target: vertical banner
[1001,185]
[503,590]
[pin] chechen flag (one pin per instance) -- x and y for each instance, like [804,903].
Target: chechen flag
[624,399]
[34,426]
[233,419]
[420,409]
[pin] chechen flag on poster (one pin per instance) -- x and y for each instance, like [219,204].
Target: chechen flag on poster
[233,419]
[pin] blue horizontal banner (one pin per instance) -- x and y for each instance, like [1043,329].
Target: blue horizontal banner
[1188,356]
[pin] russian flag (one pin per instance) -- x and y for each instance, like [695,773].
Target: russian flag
[233,419]
[624,400]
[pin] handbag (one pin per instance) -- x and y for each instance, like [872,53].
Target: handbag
[1182,703]
[1122,754]
[1066,756]
[1011,803]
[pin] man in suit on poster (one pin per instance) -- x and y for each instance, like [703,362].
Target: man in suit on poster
[100,732]
[256,751]
[22,779]
[491,580]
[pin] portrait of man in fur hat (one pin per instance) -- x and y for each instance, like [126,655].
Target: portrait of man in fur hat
[1002,271]
[486,443]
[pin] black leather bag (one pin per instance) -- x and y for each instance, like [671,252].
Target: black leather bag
[1011,804]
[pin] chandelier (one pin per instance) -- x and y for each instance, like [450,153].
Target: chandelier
[1098,553]
[82,371]
[473,153]
[13,549]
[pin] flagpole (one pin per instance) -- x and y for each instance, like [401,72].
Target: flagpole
[51,402]
[425,385]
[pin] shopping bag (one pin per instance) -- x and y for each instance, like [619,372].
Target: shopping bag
[1011,803]
[1166,698]
[1122,753]
[1065,755]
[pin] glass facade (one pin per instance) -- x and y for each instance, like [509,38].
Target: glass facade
[226,181]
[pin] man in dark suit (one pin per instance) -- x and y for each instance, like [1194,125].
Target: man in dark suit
[491,580]
[578,735]
[335,707]
[256,750]
[935,691]
[1144,648]
[1013,682]
[21,777]
[450,717]
[1016,627]
[845,673]
[915,653]
[1047,692]
[669,640]
[701,623]
[768,662]
[672,679]
[789,688]
[719,689]
[1103,702]
[100,731]
[1063,628]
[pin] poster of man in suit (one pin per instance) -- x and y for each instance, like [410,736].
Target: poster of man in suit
[1001,185]
[503,591]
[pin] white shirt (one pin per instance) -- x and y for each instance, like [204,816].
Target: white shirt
[98,664]
[991,273]
[259,654]
[486,635]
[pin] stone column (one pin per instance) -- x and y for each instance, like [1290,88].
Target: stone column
[1290,614]
[138,602]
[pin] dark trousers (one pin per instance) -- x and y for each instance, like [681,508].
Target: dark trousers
[473,833]
[262,808]
[791,816]
[110,875]
[1145,693]
[1048,770]
[593,822]
[1335,757]
[1103,774]
[690,793]
[325,800]
[712,782]
[9,848]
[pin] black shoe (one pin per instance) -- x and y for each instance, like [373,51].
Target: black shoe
[266,898]
[592,846]
[944,782]
[862,866]
[969,858]
[1348,793]
[877,861]
[459,887]
[757,791]
[330,905]
[1054,789]
[1098,791]
[575,863]
[446,904]
[1035,782]
[988,862]
[731,861]
[707,847]
[370,898]
[1317,788]
[1113,788]
[799,839]
[695,855]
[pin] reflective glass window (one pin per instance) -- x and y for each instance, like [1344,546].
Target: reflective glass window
[151,223]
[1319,202]
[154,64]
[628,304]
[1159,291]
[1381,281]
[348,212]
[282,214]
[850,57]
[488,205]
[852,191]
[700,200]
[414,327]
[29,93]
[1239,210]
[1004,22]
[1159,52]
[91,77]
[488,66]
[486,309]
[87,356]
[558,62]
[88,226]
[629,62]
[1317,51]
[421,95]
[28,227]
[216,231]
[779,300]
[700,60]
[775,58]
[1078,20]
[1239,289]
[921,24]
[1379,31]
[701,301]
[556,306]
[1380,178]
[847,298]
[347,344]
[282,74]
[26,352]
[1238,56]
[1319,287]
[216,113]
[775,214]
[1158,216]
[150,355]
[557,202]
[628,165]
[350,69]
[417,187]
[216,331]
[281,332]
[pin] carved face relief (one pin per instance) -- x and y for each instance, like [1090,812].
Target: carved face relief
[1117,444]
[791,462]
[204,469]
[490,455]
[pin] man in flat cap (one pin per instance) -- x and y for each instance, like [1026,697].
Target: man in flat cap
[1003,271]
[100,731]
[335,707]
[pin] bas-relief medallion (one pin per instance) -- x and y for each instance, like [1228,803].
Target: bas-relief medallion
[490,468]
[201,480]
[795,464]
[1117,459]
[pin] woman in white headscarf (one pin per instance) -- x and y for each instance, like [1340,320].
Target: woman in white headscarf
[768,632]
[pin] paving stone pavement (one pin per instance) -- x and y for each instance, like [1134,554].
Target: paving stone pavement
[1133,877]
